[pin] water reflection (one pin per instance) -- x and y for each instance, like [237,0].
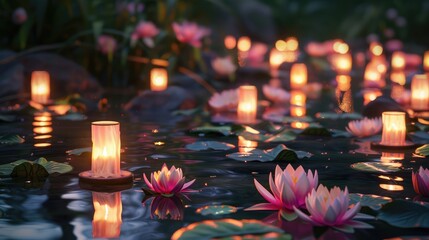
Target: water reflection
[165,207]
[107,219]
[298,101]
[245,146]
[392,187]
[42,126]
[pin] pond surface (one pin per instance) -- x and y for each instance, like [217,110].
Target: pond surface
[60,209]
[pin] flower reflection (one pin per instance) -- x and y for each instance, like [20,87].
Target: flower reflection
[107,219]
[166,207]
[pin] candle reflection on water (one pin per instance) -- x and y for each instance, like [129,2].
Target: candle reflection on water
[42,127]
[298,103]
[245,146]
[107,218]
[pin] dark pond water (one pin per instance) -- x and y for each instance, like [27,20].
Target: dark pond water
[60,209]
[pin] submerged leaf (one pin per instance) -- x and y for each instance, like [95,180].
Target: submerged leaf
[73,117]
[79,151]
[315,131]
[374,202]
[405,214]
[50,166]
[377,167]
[29,170]
[204,145]
[223,130]
[11,139]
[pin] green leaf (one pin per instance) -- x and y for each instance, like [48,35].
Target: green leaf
[11,139]
[225,229]
[50,166]
[29,170]
[287,119]
[7,118]
[315,131]
[336,116]
[283,136]
[79,151]
[204,145]
[73,117]
[423,150]
[279,153]
[374,202]
[223,130]
[187,112]
[376,167]
[216,210]
[405,214]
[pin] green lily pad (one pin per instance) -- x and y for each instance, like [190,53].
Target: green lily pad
[223,130]
[405,214]
[216,210]
[423,150]
[73,117]
[374,202]
[375,167]
[283,136]
[29,171]
[287,119]
[187,112]
[204,145]
[7,118]
[336,116]
[339,133]
[225,229]
[279,153]
[50,166]
[11,139]
[315,131]
[79,151]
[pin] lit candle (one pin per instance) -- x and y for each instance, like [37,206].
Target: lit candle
[420,92]
[40,88]
[107,215]
[245,146]
[247,104]
[370,95]
[426,61]
[376,49]
[340,46]
[276,58]
[298,76]
[343,82]
[298,101]
[106,149]
[158,79]
[292,44]
[373,77]
[398,60]
[244,44]
[394,129]
[342,63]
[398,77]
[230,42]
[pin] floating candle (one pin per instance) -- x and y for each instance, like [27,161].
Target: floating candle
[420,92]
[158,79]
[247,104]
[298,76]
[40,87]
[398,60]
[394,129]
[343,82]
[342,63]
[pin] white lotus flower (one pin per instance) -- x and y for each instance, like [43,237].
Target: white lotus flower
[225,100]
[365,127]
[275,94]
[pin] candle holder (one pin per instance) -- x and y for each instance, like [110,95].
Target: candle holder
[106,156]
[420,92]
[40,87]
[394,132]
[158,79]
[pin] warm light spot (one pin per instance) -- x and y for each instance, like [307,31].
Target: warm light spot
[376,50]
[60,109]
[398,77]
[42,144]
[398,60]
[38,137]
[280,45]
[343,82]
[42,118]
[42,130]
[42,124]
[251,130]
[159,143]
[341,47]
[391,187]
[155,131]
[244,44]
[245,146]
[292,44]
[158,79]
[300,125]
[230,42]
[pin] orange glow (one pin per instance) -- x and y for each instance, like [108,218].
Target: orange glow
[276,58]
[247,104]
[106,149]
[39,137]
[280,45]
[292,44]
[40,145]
[391,187]
[42,130]
[373,77]
[40,88]
[394,129]
[298,104]
[426,61]
[158,79]
[60,109]
[398,60]
[107,218]
[420,92]
[370,95]
[245,146]
[389,156]
[244,44]
[300,125]
[298,76]
[42,124]
[342,63]
[298,111]
[340,47]
[343,82]
[376,49]
[290,56]
[398,93]
[398,77]
[230,42]
[42,118]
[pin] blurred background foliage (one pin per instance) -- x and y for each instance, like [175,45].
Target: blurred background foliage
[71,27]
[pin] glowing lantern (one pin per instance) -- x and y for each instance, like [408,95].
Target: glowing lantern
[394,129]
[342,63]
[426,61]
[340,47]
[376,49]
[370,95]
[40,88]
[107,215]
[280,45]
[292,44]
[276,58]
[398,60]
[244,44]
[230,42]
[298,76]
[247,104]
[420,92]
[158,79]
[373,77]
[343,82]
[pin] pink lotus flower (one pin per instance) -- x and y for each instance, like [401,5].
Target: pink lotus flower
[190,33]
[223,66]
[146,30]
[166,207]
[19,16]
[331,208]
[289,188]
[275,94]
[256,54]
[106,44]
[224,101]
[421,181]
[168,182]
[365,127]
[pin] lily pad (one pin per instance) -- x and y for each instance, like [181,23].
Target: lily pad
[224,228]
[419,137]
[11,139]
[375,167]
[73,117]
[423,150]
[29,171]
[279,153]
[374,202]
[7,118]
[405,214]
[187,112]
[223,130]
[315,131]
[283,136]
[50,166]
[79,151]
[287,119]
[336,116]
[216,210]
[204,145]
